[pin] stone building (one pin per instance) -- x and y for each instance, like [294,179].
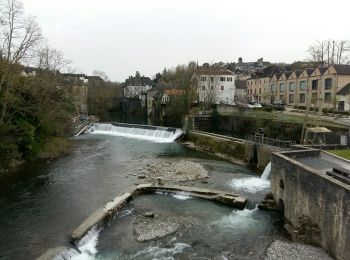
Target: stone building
[316,86]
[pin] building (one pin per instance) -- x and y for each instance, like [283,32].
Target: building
[241,91]
[135,87]
[214,84]
[261,86]
[161,95]
[321,86]
[343,98]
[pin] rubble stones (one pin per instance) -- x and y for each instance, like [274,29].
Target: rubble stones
[175,171]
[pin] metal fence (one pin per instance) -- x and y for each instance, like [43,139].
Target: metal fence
[261,139]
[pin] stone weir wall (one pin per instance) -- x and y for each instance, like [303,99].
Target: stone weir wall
[303,193]
[238,150]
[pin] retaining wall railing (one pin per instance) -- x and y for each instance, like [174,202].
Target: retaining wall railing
[261,139]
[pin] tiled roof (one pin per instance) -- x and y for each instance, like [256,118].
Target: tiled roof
[309,71]
[344,90]
[213,71]
[342,69]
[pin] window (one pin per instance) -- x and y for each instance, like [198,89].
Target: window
[254,91]
[259,98]
[282,87]
[203,88]
[328,84]
[212,79]
[302,98]
[327,97]
[229,78]
[314,84]
[212,88]
[259,90]
[302,85]
[222,87]
[222,78]
[291,86]
[272,87]
[204,78]
[313,98]
[281,97]
[291,98]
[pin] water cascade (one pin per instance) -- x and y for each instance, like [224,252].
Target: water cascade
[253,184]
[150,133]
[267,172]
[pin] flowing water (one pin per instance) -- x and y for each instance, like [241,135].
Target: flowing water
[44,202]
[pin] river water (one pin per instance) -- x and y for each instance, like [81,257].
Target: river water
[44,202]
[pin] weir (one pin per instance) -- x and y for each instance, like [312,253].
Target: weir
[151,133]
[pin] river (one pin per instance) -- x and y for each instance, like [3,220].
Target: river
[44,202]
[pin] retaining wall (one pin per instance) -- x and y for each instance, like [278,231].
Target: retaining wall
[303,191]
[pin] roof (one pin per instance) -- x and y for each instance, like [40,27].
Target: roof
[322,69]
[342,69]
[210,70]
[344,90]
[298,72]
[309,71]
[317,130]
[288,73]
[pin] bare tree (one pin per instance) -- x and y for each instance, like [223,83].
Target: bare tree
[101,74]
[19,34]
[50,59]
[336,52]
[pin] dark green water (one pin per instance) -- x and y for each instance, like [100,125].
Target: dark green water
[43,203]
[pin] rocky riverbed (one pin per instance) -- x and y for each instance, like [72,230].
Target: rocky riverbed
[174,172]
[291,251]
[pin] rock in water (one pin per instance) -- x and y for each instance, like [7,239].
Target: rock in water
[149,214]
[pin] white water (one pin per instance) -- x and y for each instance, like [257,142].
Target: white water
[238,220]
[267,172]
[88,245]
[253,184]
[154,135]
[156,252]
[180,195]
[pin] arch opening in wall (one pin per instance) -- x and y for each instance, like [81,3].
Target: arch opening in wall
[280,206]
[281,184]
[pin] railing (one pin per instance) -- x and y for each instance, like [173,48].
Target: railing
[261,139]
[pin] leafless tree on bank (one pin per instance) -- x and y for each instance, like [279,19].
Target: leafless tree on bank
[330,52]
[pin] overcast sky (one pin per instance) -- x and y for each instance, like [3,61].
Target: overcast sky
[120,37]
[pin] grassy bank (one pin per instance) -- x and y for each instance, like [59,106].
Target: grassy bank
[56,147]
[344,153]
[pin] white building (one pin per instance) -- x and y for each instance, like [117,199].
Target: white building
[214,84]
[136,91]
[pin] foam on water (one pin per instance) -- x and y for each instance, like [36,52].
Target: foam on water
[253,184]
[238,220]
[154,135]
[156,252]
[180,195]
[250,184]
[88,245]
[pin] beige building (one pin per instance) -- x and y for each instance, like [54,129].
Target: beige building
[319,87]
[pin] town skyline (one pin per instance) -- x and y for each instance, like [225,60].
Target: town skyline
[146,36]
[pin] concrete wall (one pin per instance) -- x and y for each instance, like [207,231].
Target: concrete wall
[323,199]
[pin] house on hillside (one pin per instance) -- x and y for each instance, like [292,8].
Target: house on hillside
[214,84]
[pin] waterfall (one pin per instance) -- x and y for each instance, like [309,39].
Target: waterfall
[253,184]
[267,172]
[150,133]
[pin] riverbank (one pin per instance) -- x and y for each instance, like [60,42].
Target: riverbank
[54,148]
